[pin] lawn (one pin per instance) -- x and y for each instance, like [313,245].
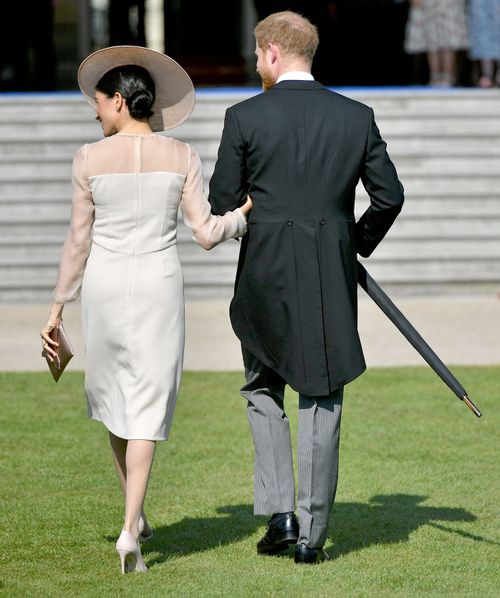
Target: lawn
[416,511]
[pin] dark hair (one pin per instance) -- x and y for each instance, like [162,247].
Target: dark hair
[136,86]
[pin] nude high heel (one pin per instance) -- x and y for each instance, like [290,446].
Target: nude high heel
[130,553]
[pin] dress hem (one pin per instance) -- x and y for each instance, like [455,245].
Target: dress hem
[157,439]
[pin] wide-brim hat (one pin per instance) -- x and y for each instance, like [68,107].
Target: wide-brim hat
[174,98]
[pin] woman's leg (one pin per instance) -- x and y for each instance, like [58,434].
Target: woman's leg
[138,462]
[434,68]
[448,62]
[119,448]
[487,70]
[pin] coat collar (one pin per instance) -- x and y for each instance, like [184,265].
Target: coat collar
[287,84]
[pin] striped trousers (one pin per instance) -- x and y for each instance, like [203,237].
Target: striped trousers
[317,451]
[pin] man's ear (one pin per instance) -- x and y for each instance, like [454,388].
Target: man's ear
[275,52]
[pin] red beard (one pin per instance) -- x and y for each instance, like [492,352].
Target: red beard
[267,81]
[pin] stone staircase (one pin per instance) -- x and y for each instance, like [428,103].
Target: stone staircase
[446,146]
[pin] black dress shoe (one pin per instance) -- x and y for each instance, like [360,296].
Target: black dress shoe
[282,530]
[303,554]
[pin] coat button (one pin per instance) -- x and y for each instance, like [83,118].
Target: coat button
[290,222]
[322,221]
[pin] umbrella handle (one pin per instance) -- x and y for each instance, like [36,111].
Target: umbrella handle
[471,406]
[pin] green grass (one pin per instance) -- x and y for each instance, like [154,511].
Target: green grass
[416,510]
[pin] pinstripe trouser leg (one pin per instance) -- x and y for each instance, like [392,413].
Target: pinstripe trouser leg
[317,449]
[317,454]
[274,484]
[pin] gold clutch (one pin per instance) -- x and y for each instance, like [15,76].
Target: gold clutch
[63,350]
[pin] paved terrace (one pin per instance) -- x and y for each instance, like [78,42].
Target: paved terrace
[462,330]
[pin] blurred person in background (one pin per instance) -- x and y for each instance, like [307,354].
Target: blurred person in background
[484,26]
[439,28]
[126,22]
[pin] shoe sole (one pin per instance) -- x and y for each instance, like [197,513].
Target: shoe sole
[319,559]
[300,561]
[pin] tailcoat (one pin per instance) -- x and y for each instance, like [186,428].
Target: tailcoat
[299,150]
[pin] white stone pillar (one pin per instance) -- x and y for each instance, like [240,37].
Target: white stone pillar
[155,31]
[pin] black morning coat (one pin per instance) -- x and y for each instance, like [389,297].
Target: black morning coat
[299,151]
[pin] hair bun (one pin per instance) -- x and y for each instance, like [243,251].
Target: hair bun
[139,103]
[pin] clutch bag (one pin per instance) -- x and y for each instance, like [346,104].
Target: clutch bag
[63,350]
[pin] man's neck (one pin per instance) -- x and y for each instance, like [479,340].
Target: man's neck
[298,66]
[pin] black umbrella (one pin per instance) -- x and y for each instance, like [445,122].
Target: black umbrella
[403,325]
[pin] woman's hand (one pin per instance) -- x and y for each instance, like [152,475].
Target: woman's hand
[247,206]
[54,319]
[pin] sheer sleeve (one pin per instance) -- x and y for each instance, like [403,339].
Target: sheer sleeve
[208,230]
[77,245]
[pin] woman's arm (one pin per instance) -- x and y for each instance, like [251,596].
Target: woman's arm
[208,230]
[76,247]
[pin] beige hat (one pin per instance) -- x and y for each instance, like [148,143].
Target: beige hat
[174,98]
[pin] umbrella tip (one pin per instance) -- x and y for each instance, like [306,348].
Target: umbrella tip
[471,406]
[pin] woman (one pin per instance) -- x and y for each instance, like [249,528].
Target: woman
[438,27]
[127,189]
[484,24]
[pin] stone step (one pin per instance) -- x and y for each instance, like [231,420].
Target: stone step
[427,167]
[424,226]
[395,271]
[417,147]
[211,129]
[391,251]
[23,248]
[217,281]
[445,186]
[23,212]
[59,168]
[421,128]
[415,186]
[442,207]
[446,146]
[423,200]
[43,187]
[26,131]
[15,208]
[26,150]
[399,148]
[35,170]
[49,228]
[410,99]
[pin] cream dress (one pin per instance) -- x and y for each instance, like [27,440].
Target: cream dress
[121,250]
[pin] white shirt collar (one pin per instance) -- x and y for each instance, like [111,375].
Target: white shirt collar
[295,76]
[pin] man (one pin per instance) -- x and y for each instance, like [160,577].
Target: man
[299,151]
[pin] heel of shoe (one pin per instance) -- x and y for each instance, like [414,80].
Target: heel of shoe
[289,538]
[123,560]
[130,554]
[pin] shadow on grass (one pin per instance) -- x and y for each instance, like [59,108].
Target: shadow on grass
[388,519]
[384,519]
[195,534]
